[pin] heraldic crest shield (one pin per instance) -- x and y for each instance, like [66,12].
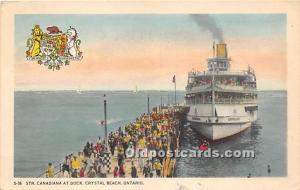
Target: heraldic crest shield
[53,48]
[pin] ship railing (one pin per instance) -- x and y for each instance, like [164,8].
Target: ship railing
[234,101]
[235,87]
[249,87]
[228,87]
[205,73]
[201,87]
[222,101]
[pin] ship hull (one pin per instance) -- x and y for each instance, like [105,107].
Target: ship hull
[229,120]
[215,131]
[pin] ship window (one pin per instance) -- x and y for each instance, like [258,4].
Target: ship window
[225,111]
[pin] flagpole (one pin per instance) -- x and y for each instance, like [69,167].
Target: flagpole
[175,91]
[174,81]
[160,102]
[148,100]
[214,50]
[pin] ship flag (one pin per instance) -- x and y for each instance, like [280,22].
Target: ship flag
[101,123]
[174,79]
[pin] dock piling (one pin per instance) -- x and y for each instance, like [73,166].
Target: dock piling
[105,122]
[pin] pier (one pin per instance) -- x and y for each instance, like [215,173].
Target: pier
[132,151]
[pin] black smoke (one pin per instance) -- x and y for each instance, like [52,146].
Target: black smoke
[206,22]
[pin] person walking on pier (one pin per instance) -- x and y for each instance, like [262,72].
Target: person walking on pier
[122,170]
[82,172]
[147,169]
[269,169]
[120,154]
[65,166]
[91,173]
[74,174]
[50,171]
[103,171]
[116,172]
[112,145]
[249,175]
[65,174]
[89,162]
[157,166]
[133,170]
[141,146]
[75,164]
[125,145]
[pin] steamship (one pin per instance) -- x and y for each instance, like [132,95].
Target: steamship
[222,102]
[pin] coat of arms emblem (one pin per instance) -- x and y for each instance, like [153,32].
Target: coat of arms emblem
[53,48]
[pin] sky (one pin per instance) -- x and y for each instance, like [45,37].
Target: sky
[121,52]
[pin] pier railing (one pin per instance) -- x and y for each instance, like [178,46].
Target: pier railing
[57,168]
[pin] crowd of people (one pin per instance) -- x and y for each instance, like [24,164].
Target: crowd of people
[154,132]
[227,82]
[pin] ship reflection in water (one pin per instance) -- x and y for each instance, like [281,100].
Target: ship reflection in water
[267,137]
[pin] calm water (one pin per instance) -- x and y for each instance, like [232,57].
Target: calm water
[267,138]
[48,125]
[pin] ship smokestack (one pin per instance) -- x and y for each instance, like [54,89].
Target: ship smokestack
[221,51]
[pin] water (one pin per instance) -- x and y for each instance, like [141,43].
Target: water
[49,125]
[267,138]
